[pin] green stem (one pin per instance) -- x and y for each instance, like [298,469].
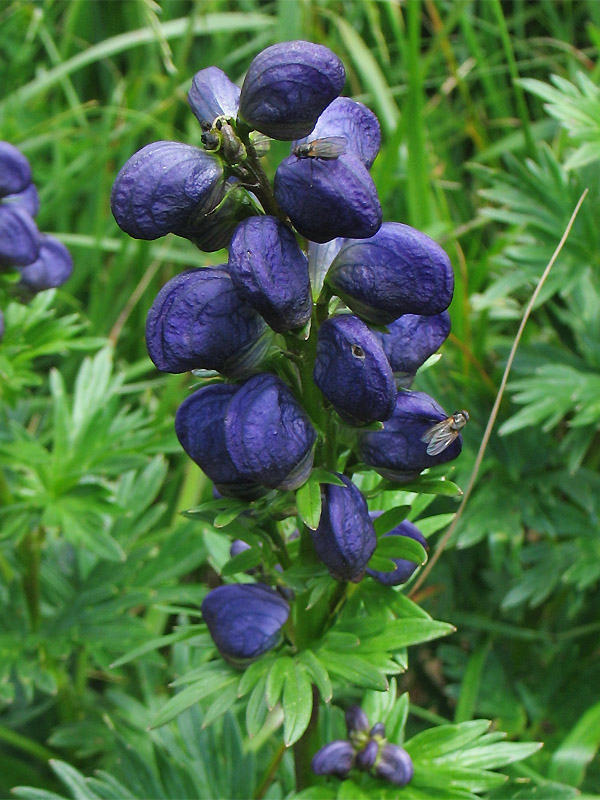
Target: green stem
[270,773]
[304,747]
[27,745]
[30,550]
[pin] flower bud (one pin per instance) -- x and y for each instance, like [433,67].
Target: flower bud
[52,268]
[212,230]
[366,757]
[398,271]
[15,171]
[287,86]
[352,371]
[200,428]
[404,567]
[328,198]
[396,451]
[244,620]
[411,340]
[19,237]
[212,95]
[394,765]
[269,435]
[271,272]
[161,187]
[238,546]
[345,538]
[377,731]
[335,758]
[356,720]
[199,321]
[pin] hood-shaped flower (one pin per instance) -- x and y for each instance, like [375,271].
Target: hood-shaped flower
[366,757]
[397,271]
[394,765]
[334,758]
[396,451]
[404,567]
[356,720]
[271,272]
[345,538]
[328,198]
[244,620]
[352,371]
[52,268]
[162,186]
[19,236]
[15,171]
[199,321]
[28,200]
[287,86]
[410,341]
[200,428]
[269,435]
[212,95]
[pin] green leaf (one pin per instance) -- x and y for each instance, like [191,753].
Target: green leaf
[156,643]
[318,673]
[256,710]
[439,486]
[401,547]
[436,742]
[324,476]
[297,703]
[308,501]
[405,632]
[431,525]
[380,564]
[226,517]
[577,749]
[242,562]
[276,678]
[354,669]
[221,704]
[252,675]
[389,519]
[217,677]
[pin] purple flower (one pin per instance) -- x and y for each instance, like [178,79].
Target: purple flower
[269,435]
[356,720]
[378,731]
[335,758]
[212,95]
[271,272]
[411,340]
[15,171]
[366,757]
[238,546]
[28,199]
[163,187]
[244,620]
[52,268]
[345,538]
[199,321]
[396,451]
[287,86]
[19,236]
[328,198]
[200,428]
[212,230]
[394,765]
[352,371]
[398,271]
[404,567]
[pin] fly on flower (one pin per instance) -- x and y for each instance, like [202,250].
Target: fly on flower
[442,434]
[328,147]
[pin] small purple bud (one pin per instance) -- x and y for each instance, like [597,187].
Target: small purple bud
[345,538]
[396,451]
[28,199]
[238,546]
[15,172]
[52,268]
[335,758]
[352,371]
[162,186]
[356,720]
[366,757]
[287,86]
[394,765]
[404,567]
[19,237]
[377,731]
[213,95]
[398,271]
[411,340]
[269,435]
[271,272]
[244,620]
[329,198]
[200,428]
[199,321]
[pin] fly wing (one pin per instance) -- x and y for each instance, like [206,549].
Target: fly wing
[329,147]
[439,437]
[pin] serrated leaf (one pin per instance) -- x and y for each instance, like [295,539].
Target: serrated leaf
[318,673]
[297,703]
[308,502]
[389,519]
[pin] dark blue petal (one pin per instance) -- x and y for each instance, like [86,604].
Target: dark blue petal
[394,765]
[271,272]
[354,122]
[52,268]
[213,95]
[404,567]
[199,321]
[411,339]
[398,271]
[244,620]
[396,451]
[352,371]
[356,720]
[328,198]
[19,236]
[15,172]
[269,435]
[287,86]
[345,538]
[162,186]
[366,757]
[238,546]
[335,758]
[28,199]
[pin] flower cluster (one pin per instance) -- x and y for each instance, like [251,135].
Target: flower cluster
[365,749]
[289,332]
[41,260]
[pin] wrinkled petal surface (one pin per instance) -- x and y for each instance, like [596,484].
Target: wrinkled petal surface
[335,758]
[412,339]
[19,236]
[394,765]
[15,171]
[212,95]
[52,268]
[404,567]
